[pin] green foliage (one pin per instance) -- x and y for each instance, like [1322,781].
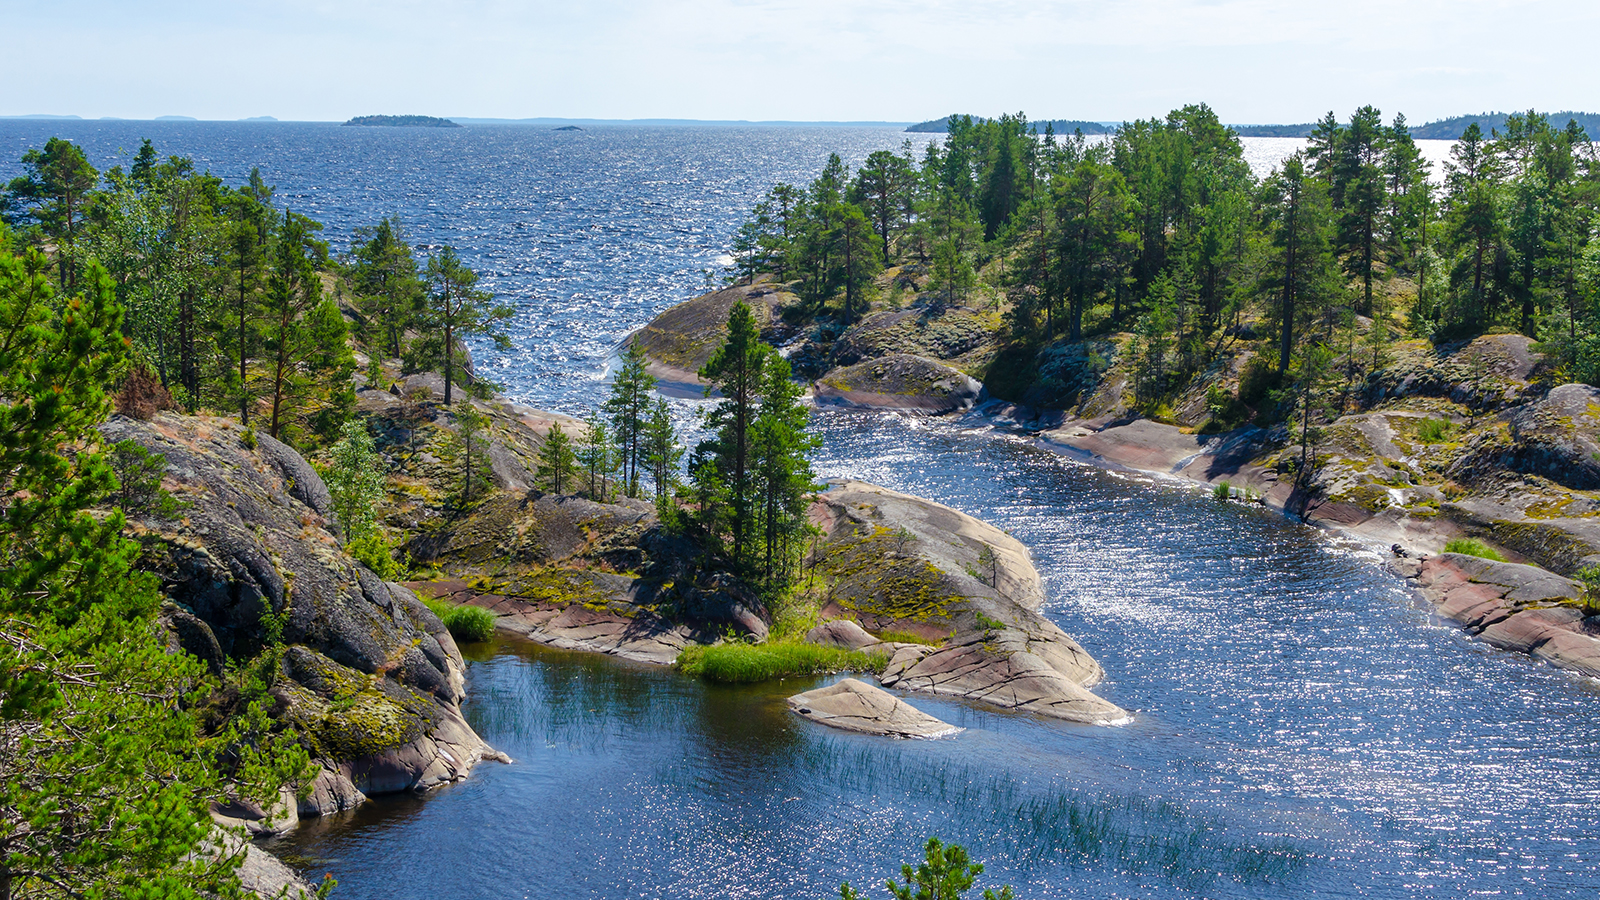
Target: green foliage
[376,554]
[1473,547]
[663,454]
[596,458]
[557,462]
[383,273]
[355,479]
[1222,491]
[109,772]
[466,447]
[741,663]
[628,408]
[138,473]
[946,873]
[753,475]
[469,624]
[456,310]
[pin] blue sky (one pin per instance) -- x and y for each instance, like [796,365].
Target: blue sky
[1252,60]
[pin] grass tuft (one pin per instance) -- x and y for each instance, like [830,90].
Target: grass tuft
[465,623]
[1435,431]
[738,663]
[1473,547]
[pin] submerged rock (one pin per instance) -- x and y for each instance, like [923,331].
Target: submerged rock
[853,705]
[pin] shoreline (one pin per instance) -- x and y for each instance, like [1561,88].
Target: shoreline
[1514,606]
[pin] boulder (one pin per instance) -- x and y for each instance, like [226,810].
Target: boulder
[899,382]
[844,634]
[853,705]
[1558,437]
[681,339]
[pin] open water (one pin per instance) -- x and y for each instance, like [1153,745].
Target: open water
[1302,727]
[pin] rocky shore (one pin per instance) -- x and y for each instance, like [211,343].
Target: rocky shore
[1471,440]
[369,677]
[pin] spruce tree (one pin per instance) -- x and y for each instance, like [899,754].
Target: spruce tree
[737,369]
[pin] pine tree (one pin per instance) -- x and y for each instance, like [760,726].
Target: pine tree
[781,450]
[58,181]
[468,445]
[383,272]
[293,290]
[627,408]
[737,369]
[663,453]
[557,463]
[108,776]
[458,310]
[597,458]
[355,481]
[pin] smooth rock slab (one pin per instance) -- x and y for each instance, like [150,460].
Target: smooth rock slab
[854,705]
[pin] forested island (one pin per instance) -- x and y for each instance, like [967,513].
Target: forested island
[1441,130]
[403,122]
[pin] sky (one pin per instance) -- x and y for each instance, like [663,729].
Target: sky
[1253,61]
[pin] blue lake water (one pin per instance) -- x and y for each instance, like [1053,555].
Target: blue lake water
[1302,728]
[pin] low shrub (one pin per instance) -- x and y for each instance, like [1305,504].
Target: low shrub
[1473,547]
[142,396]
[465,623]
[740,663]
[1222,491]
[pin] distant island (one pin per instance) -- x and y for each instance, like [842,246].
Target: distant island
[403,122]
[1450,129]
[1281,131]
[1061,126]
[569,128]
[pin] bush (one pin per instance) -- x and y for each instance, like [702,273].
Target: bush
[374,552]
[1473,547]
[1222,491]
[465,623]
[739,663]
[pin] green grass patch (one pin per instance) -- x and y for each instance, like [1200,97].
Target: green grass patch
[465,623]
[1473,547]
[1435,431]
[738,663]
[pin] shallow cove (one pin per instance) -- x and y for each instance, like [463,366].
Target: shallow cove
[1303,728]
